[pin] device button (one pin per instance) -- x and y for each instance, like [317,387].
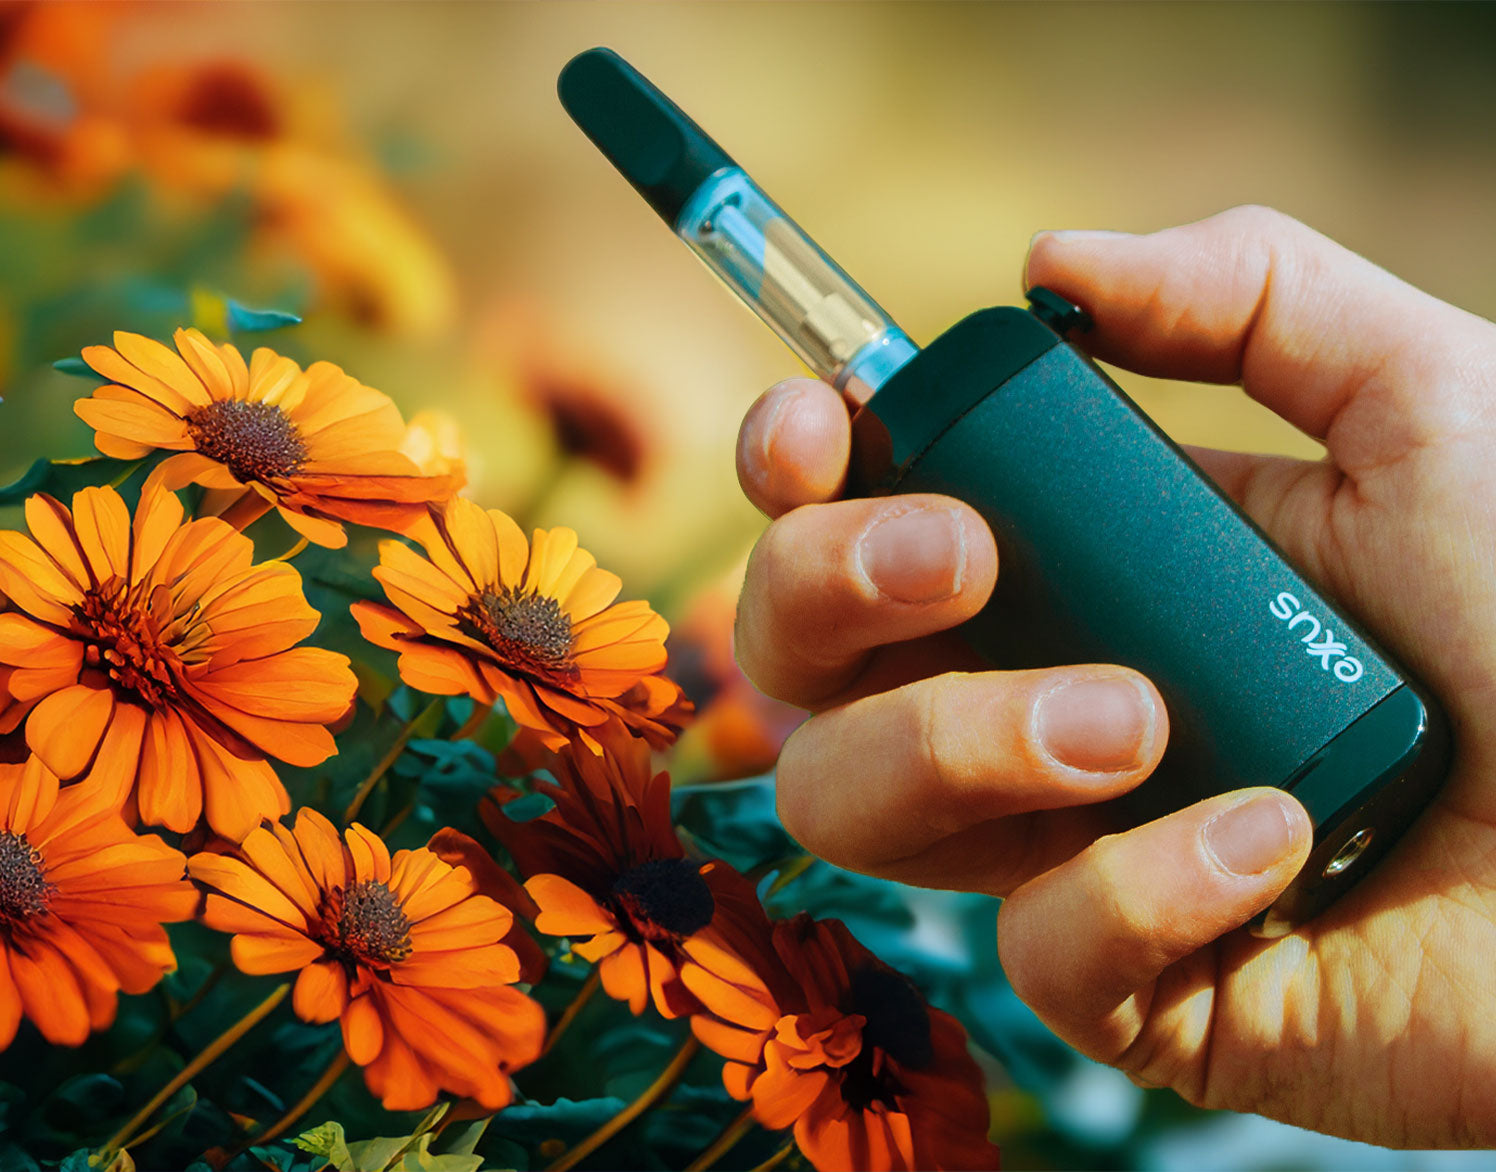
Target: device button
[1054,311]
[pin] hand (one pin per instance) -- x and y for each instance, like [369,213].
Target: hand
[1376,1021]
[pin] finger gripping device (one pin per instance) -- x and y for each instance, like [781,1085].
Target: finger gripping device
[1113,546]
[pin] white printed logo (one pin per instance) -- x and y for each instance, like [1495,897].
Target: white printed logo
[1347,667]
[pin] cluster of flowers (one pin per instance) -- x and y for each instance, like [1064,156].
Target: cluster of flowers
[150,671]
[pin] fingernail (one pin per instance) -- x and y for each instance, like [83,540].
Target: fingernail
[914,557]
[1250,837]
[1100,726]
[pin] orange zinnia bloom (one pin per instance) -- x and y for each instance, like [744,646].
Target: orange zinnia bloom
[822,1035]
[606,865]
[492,615]
[154,659]
[315,444]
[82,901]
[404,951]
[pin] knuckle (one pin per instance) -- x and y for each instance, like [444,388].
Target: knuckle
[935,740]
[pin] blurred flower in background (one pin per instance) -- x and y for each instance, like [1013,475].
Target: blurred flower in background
[418,197]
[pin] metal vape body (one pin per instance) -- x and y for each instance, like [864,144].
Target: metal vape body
[1113,546]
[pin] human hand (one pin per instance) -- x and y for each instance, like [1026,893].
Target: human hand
[1372,1021]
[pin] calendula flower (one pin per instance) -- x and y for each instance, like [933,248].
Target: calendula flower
[315,444]
[152,659]
[404,952]
[824,1037]
[494,616]
[606,868]
[82,901]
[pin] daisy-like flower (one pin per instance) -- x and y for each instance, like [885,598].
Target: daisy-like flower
[494,616]
[315,444]
[606,868]
[153,660]
[82,901]
[405,952]
[824,1037]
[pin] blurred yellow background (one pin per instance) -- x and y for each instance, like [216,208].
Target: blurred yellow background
[921,144]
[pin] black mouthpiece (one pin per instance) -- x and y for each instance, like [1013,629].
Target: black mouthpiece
[642,132]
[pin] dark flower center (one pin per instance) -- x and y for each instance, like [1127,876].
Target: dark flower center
[125,641]
[664,900]
[897,1026]
[24,890]
[365,924]
[255,441]
[225,99]
[528,629]
[897,1020]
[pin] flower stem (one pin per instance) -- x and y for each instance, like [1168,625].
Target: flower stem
[724,1142]
[174,1014]
[652,1094]
[220,1157]
[367,785]
[207,1056]
[569,1014]
[245,511]
[777,1158]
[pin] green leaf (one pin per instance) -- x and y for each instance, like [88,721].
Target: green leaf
[375,1155]
[421,1159]
[75,366]
[329,1142]
[464,1140]
[62,478]
[243,319]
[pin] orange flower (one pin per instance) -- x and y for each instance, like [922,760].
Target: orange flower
[605,865]
[317,445]
[404,951]
[82,901]
[153,659]
[495,616]
[822,1035]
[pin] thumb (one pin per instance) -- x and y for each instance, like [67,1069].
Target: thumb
[1085,944]
[1308,327]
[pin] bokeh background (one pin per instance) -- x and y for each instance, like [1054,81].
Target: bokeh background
[401,175]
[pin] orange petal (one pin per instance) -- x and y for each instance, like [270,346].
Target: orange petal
[169,791]
[363,1030]
[459,968]
[34,582]
[102,523]
[727,1001]
[624,978]
[237,794]
[159,363]
[65,728]
[728,1041]
[371,858]
[327,534]
[565,909]
[258,955]
[238,880]
[321,992]
[142,422]
[51,524]
[303,684]
[51,995]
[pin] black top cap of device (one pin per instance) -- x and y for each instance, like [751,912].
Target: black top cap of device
[642,132]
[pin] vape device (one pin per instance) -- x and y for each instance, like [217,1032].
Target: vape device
[1113,546]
